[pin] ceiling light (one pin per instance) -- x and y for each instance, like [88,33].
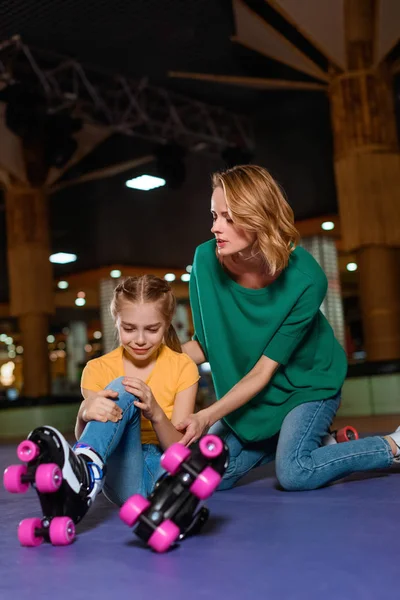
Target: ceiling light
[115,273]
[63,285]
[62,258]
[145,182]
[328,225]
[170,277]
[352,266]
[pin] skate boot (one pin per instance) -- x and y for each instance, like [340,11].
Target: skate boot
[66,482]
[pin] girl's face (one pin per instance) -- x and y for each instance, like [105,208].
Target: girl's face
[230,238]
[141,328]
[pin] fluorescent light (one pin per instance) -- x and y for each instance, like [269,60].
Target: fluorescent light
[62,258]
[170,277]
[145,182]
[352,266]
[97,335]
[328,225]
[63,285]
[185,277]
[115,273]
[189,268]
[50,339]
[80,301]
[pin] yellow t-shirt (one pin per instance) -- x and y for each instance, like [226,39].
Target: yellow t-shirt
[172,373]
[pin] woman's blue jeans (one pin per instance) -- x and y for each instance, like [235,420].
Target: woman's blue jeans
[301,462]
[132,467]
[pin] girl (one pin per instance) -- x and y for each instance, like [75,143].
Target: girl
[277,367]
[135,395]
[133,398]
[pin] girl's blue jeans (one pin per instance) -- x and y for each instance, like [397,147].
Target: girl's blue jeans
[132,467]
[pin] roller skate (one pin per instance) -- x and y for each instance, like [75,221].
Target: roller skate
[345,434]
[170,512]
[65,481]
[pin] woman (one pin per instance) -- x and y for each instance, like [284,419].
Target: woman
[277,367]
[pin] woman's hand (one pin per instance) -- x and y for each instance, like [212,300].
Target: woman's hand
[102,407]
[147,403]
[194,427]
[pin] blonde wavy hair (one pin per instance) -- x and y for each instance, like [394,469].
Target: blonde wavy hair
[257,204]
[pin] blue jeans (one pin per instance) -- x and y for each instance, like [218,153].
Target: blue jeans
[301,462]
[132,467]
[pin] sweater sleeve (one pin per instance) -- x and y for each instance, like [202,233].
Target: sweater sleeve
[198,335]
[297,323]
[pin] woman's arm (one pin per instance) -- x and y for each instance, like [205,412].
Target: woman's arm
[241,393]
[194,350]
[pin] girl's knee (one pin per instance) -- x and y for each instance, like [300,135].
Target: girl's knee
[125,399]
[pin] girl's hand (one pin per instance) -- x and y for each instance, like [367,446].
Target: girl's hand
[194,427]
[101,407]
[146,402]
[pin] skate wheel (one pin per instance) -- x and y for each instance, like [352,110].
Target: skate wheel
[346,434]
[48,478]
[132,509]
[12,479]
[164,536]
[173,457]
[27,451]
[206,483]
[211,446]
[62,531]
[26,532]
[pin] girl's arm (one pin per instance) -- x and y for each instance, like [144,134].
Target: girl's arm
[184,406]
[195,351]
[165,429]
[97,406]
[257,379]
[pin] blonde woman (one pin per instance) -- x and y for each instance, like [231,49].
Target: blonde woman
[276,365]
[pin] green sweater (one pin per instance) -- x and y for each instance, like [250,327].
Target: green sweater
[235,326]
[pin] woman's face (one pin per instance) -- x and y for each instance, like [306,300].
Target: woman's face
[230,237]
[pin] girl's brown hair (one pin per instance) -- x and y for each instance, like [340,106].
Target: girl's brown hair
[257,204]
[149,288]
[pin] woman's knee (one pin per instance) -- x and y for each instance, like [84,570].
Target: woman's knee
[294,476]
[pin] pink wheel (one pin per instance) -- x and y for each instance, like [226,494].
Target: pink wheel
[206,483]
[27,451]
[132,509]
[12,479]
[48,478]
[211,446]
[173,457]
[346,434]
[164,536]
[62,531]
[26,532]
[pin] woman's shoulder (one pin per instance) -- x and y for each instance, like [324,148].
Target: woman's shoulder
[205,250]
[304,264]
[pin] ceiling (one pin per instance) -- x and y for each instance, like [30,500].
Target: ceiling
[164,41]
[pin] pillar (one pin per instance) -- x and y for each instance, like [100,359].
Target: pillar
[367,171]
[30,280]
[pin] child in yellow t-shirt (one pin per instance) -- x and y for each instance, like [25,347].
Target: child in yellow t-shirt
[134,399]
[135,395]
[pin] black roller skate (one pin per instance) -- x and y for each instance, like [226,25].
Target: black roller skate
[169,513]
[65,481]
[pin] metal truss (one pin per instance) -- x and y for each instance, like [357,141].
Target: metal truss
[131,107]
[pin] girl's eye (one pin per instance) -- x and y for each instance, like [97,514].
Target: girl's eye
[127,330]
